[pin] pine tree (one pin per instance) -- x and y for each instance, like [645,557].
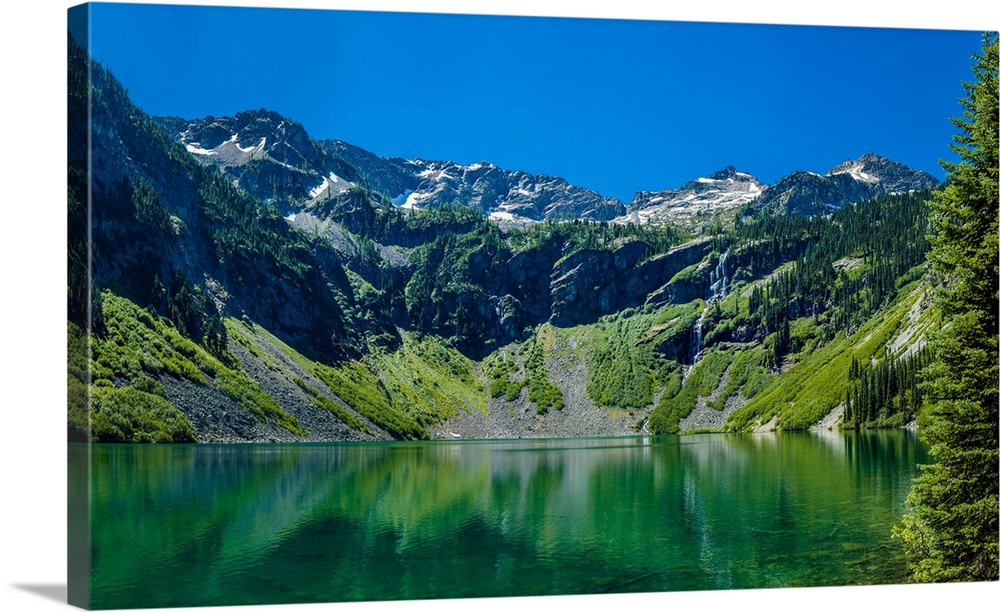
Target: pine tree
[952,527]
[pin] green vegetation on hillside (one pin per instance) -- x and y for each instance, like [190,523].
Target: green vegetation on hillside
[628,359]
[511,370]
[817,377]
[498,368]
[541,391]
[885,394]
[372,215]
[701,380]
[332,407]
[449,292]
[78,384]
[808,295]
[403,391]
[844,268]
[578,235]
[359,385]
[430,379]
[127,401]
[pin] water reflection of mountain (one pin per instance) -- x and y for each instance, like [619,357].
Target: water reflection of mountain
[252,524]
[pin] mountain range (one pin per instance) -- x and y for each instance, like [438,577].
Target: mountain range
[231,279]
[274,159]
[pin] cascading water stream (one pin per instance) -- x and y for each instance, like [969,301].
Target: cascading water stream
[718,284]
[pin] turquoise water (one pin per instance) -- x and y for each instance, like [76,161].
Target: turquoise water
[267,524]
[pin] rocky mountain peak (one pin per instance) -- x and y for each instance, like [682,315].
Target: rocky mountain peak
[809,193]
[506,195]
[698,203]
[884,175]
[269,155]
[725,173]
[250,135]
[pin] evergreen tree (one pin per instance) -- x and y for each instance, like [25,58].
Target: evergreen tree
[952,528]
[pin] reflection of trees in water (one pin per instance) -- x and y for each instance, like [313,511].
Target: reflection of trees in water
[803,516]
[328,522]
[884,457]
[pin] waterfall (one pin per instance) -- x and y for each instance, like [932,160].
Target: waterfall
[718,283]
[695,350]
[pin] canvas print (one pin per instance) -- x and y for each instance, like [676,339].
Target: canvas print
[391,306]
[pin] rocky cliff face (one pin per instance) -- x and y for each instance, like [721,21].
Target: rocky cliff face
[391,176]
[802,194]
[590,283]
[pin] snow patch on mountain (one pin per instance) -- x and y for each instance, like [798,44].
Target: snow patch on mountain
[436,173]
[504,216]
[331,186]
[195,147]
[254,149]
[857,173]
[416,199]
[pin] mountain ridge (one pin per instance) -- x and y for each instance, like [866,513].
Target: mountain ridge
[309,170]
[808,193]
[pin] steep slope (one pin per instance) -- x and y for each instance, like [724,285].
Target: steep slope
[176,238]
[818,381]
[172,234]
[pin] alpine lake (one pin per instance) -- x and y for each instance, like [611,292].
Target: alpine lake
[194,525]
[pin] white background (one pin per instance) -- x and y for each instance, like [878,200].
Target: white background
[32,299]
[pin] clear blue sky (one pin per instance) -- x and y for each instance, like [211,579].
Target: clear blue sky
[613,105]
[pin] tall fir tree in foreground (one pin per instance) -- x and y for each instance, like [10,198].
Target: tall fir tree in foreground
[952,528]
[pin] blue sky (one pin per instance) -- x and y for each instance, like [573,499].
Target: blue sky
[613,105]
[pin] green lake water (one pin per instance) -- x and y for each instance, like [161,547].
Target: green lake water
[267,524]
